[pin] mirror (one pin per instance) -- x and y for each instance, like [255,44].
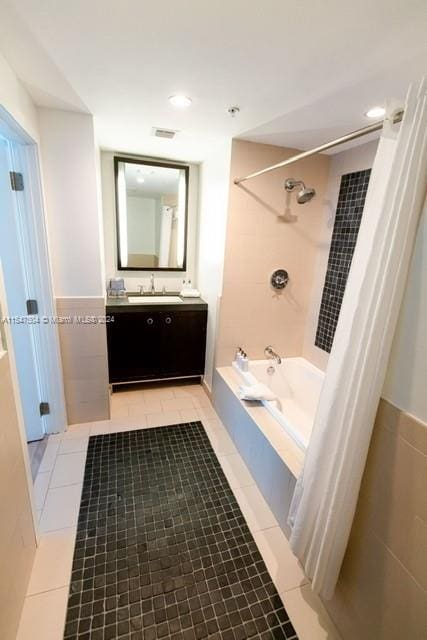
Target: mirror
[151,214]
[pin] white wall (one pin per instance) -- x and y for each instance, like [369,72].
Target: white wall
[406,380]
[141,216]
[356,159]
[16,101]
[70,182]
[214,188]
[171,280]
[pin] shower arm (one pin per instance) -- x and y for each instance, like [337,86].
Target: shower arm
[323,147]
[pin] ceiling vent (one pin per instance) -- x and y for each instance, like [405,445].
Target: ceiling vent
[164,133]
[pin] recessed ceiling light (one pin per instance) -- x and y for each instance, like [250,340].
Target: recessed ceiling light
[180,101]
[140,179]
[375,112]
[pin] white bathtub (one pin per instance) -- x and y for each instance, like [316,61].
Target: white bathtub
[297,384]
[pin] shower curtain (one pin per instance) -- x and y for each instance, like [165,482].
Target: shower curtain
[165,235]
[325,497]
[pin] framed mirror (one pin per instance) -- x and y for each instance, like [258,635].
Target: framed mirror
[151,214]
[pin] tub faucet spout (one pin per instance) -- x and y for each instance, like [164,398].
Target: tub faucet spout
[271,354]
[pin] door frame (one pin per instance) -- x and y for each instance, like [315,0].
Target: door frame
[30,210]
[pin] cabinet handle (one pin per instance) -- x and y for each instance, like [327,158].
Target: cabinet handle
[150,321]
[168,320]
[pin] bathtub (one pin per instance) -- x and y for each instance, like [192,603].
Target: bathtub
[297,384]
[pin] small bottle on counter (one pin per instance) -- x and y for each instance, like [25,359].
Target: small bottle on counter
[244,362]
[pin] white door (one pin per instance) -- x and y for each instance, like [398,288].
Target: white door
[17,294]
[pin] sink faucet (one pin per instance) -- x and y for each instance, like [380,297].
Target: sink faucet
[152,287]
[270,353]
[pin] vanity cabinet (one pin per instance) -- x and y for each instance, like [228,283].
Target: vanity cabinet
[151,344]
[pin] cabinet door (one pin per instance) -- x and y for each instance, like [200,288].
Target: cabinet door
[133,346]
[183,336]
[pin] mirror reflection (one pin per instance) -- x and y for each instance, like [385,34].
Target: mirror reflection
[151,212]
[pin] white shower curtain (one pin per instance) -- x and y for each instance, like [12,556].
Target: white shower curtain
[165,235]
[326,495]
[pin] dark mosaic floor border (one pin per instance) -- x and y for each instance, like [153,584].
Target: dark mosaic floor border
[162,548]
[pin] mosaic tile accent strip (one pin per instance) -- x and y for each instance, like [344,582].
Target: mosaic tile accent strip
[162,548]
[351,201]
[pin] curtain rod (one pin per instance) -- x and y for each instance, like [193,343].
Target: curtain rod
[376,126]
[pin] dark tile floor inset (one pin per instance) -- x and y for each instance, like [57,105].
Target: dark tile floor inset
[162,548]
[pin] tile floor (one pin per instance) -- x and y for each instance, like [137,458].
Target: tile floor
[36,451]
[162,546]
[58,489]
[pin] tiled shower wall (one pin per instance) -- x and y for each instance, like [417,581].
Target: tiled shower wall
[351,201]
[84,359]
[268,230]
[350,161]
[17,537]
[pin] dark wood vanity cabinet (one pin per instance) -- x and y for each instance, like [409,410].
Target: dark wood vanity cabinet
[150,345]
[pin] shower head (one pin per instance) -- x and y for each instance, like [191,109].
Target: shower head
[305,194]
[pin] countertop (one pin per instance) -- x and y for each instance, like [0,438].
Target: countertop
[123,304]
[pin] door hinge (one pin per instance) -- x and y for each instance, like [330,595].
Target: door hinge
[16,181]
[32,307]
[44,409]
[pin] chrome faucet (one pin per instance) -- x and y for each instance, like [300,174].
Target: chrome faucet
[271,354]
[152,287]
[141,289]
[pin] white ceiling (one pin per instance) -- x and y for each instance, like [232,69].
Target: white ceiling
[309,69]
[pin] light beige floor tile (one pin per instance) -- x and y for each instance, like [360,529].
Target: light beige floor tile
[119,413]
[48,460]
[257,513]
[41,485]
[308,615]
[163,419]
[144,408]
[128,425]
[61,508]
[56,437]
[281,563]
[212,424]
[153,405]
[43,616]
[209,413]
[202,403]
[192,390]
[53,561]
[221,442]
[73,445]
[125,398]
[236,471]
[78,431]
[158,393]
[100,428]
[68,469]
[175,404]
[189,415]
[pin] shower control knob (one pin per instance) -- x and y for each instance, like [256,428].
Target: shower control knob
[279,279]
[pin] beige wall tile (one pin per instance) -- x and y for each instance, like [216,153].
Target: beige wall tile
[85,304]
[84,361]
[382,589]
[267,230]
[17,536]
[91,411]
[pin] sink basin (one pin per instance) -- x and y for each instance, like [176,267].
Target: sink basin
[155,299]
